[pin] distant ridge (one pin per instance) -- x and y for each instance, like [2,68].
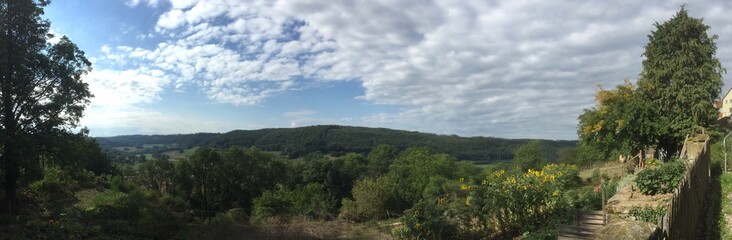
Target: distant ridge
[338,140]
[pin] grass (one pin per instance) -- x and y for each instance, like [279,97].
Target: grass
[725,217]
[298,229]
[86,197]
[150,146]
[610,168]
[178,155]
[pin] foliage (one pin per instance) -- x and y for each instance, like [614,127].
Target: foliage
[78,151]
[212,181]
[664,179]
[373,199]
[312,201]
[581,155]
[139,213]
[231,216]
[530,155]
[42,89]
[513,202]
[272,204]
[567,155]
[621,121]
[412,171]
[56,185]
[428,220]
[590,197]
[724,221]
[339,140]
[337,175]
[648,213]
[681,77]
[156,175]
[380,158]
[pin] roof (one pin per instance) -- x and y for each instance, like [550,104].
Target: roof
[727,94]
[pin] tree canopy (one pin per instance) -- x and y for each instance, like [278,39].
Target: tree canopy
[41,90]
[622,120]
[673,97]
[681,77]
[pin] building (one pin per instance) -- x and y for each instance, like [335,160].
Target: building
[726,109]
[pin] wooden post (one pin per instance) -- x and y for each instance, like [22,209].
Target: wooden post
[604,213]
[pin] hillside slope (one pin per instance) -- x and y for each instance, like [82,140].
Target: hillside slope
[338,140]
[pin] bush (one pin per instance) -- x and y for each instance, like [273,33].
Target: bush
[56,185]
[373,199]
[427,220]
[312,201]
[664,179]
[648,213]
[137,213]
[234,215]
[510,203]
[272,204]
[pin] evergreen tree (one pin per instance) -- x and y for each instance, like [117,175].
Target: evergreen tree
[681,77]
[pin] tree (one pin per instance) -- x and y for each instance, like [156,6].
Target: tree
[373,199]
[681,77]
[77,151]
[380,158]
[622,120]
[156,174]
[41,91]
[413,169]
[530,155]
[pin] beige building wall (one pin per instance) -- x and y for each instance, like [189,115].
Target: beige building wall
[726,109]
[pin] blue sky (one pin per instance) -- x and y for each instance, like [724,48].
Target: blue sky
[513,69]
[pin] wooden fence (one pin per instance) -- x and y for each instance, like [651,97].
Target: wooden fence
[684,212]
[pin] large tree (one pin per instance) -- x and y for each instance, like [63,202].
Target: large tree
[681,76]
[621,121]
[41,90]
[531,155]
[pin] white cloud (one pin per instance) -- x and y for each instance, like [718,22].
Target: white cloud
[172,19]
[297,118]
[109,121]
[514,68]
[150,3]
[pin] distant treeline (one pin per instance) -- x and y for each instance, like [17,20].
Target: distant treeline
[339,140]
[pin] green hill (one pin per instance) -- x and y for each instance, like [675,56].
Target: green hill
[338,140]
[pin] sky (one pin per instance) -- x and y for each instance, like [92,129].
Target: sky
[509,68]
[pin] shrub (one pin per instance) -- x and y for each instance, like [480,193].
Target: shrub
[311,201]
[515,202]
[373,199]
[272,204]
[56,185]
[648,213]
[664,179]
[428,220]
[234,215]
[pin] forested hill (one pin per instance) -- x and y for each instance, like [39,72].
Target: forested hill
[338,140]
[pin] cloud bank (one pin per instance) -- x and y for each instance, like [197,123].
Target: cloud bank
[499,68]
